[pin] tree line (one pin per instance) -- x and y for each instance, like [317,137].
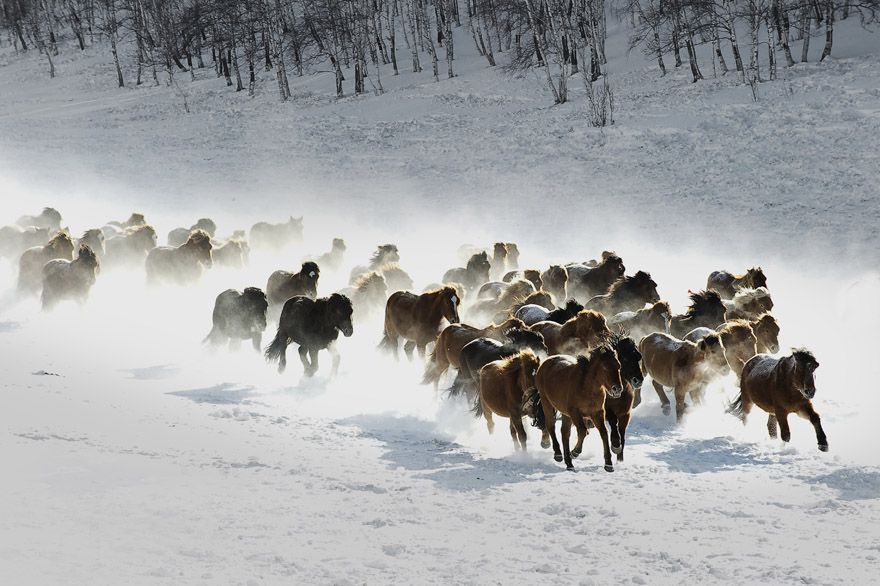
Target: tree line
[558,39]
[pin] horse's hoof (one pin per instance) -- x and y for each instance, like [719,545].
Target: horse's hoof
[823,447]
[616,449]
[620,456]
[666,409]
[545,445]
[557,457]
[570,468]
[575,453]
[609,468]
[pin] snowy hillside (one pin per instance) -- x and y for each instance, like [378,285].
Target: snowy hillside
[134,455]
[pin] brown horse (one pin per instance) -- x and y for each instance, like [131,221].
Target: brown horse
[577,387]
[49,218]
[749,304]
[583,332]
[484,310]
[506,386]
[471,276]
[331,261]
[283,285]
[499,261]
[181,265]
[65,279]
[32,260]
[766,331]
[706,310]
[737,338]
[555,279]
[95,238]
[453,338]
[685,366]
[644,321]
[417,318]
[130,248]
[780,386]
[626,294]
[586,282]
[728,284]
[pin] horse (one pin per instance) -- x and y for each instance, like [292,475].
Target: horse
[499,260]
[453,338]
[532,314]
[533,275]
[66,279]
[478,353]
[749,304]
[396,278]
[129,248]
[231,254]
[685,366]
[618,410]
[32,260]
[578,388]
[644,321]
[95,238]
[485,309]
[471,276]
[555,279]
[264,235]
[417,319]
[626,294]
[766,331]
[737,338]
[780,386]
[239,315]
[332,260]
[368,295]
[706,310]
[384,254]
[180,235]
[283,285]
[505,389]
[181,265]
[728,284]
[314,325]
[583,332]
[585,282]
[49,218]
[511,262]
[134,220]
[14,239]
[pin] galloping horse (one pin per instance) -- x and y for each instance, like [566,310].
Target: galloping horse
[585,282]
[505,387]
[283,285]
[618,410]
[577,388]
[417,318]
[239,316]
[626,294]
[181,265]
[644,321]
[749,304]
[728,284]
[32,260]
[781,386]
[579,334]
[473,275]
[707,310]
[65,279]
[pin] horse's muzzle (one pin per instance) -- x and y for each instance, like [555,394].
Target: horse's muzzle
[808,393]
[636,382]
[615,391]
[347,331]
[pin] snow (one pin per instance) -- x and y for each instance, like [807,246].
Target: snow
[134,455]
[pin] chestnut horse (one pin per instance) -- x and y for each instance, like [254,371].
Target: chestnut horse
[707,310]
[585,282]
[780,386]
[728,284]
[417,319]
[32,260]
[505,387]
[453,338]
[685,366]
[583,332]
[626,294]
[767,333]
[181,265]
[65,279]
[737,338]
[555,279]
[644,321]
[577,388]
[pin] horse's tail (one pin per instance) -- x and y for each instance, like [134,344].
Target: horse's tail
[477,406]
[213,337]
[736,408]
[433,370]
[385,344]
[276,349]
[533,407]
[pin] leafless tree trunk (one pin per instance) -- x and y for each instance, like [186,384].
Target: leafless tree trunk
[829,29]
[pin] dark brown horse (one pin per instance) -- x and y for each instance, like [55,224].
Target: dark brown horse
[685,366]
[706,310]
[644,321]
[585,282]
[453,338]
[32,260]
[626,294]
[417,319]
[181,265]
[505,388]
[728,284]
[64,279]
[781,386]
[283,285]
[239,315]
[618,410]
[471,276]
[577,388]
[555,279]
[578,335]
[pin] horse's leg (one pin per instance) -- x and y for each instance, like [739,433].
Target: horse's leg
[234,344]
[611,418]
[304,358]
[664,400]
[622,423]
[580,424]
[680,393]
[784,430]
[771,426]
[550,429]
[313,354]
[334,355]
[257,340]
[599,416]
[490,423]
[422,349]
[408,348]
[520,430]
[809,413]
[566,436]
[514,436]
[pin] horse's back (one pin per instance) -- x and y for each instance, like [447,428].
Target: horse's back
[758,376]
[531,314]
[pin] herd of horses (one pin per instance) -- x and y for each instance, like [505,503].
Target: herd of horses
[573,341]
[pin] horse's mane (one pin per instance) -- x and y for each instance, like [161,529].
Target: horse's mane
[631,283]
[536,298]
[143,228]
[206,224]
[87,256]
[702,300]
[255,296]
[510,363]
[523,337]
[61,237]
[571,307]
[198,238]
[763,319]
[308,267]
[368,281]
[96,232]
[803,355]
[382,251]
[744,296]
[584,360]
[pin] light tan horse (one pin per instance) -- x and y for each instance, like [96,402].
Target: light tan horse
[417,319]
[748,304]
[576,387]
[32,260]
[505,387]
[583,332]
[737,338]
[766,331]
[181,265]
[685,366]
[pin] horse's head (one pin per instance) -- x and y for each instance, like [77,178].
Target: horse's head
[385,253]
[608,371]
[206,224]
[613,264]
[145,237]
[528,366]
[310,271]
[255,305]
[339,245]
[660,314]
[295,226]
[591,328]
[512,255]
[372,286]
[478,266]
[51,217]
[541,298]
[61,245]
[339,312]
[135,219]
[523,339]
[766,330]
[87,262]
[711,355]
[805,365]
[499,252]
[739,343]
[629,357]
[199,246]
[756,278]
[449,301]
[647,287]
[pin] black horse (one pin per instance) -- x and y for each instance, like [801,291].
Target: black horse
[618,410]
[239,316]
[478,353]
[314,325]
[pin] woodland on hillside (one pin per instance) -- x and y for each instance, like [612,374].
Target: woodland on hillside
[558,38]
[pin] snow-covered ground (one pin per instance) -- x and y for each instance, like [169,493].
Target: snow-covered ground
[134,455]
